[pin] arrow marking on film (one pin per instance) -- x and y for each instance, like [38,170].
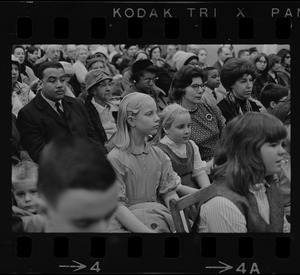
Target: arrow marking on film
[225,267]
[79,266]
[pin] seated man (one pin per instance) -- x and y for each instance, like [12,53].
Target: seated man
[51,114]
[77,187]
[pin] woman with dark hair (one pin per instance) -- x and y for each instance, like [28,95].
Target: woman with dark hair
[285,59]
[31,56]
[139,55]
[155,54]
[276,74]
[143,80]
[261,63]
[187,89]
[27,74]
[244,196]
[237,77]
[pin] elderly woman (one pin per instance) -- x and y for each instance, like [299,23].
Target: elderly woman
[80,65]
[237,76]
[187,89]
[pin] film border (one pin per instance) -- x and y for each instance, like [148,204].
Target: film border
[153,259]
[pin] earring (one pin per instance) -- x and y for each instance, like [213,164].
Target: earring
[134,81]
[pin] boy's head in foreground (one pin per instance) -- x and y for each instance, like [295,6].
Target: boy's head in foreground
[24,185]
[77,184]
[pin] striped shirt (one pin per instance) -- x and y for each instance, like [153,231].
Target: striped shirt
[220,215]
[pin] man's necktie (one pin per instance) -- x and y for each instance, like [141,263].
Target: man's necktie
[62,114]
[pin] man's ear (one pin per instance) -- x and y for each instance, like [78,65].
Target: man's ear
[131,121]
[166,131]
[272,104]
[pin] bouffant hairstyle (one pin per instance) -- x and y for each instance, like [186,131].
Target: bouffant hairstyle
[182,79]
[234,69]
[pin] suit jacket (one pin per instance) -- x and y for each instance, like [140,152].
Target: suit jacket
[39,123]
[218,66]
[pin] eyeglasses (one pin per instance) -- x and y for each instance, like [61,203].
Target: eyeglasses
[193,63]
[149,80]
[263,62]
[103,84]
[197,86]
[288,56]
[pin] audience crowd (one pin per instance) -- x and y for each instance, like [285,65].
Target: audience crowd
[104,136]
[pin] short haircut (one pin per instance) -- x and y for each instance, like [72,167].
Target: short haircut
[241,52]
[206,71]
[73,163]
[24,170]
[234,69]
[46,65]
[81,47]
[182,79]
[283,112]
[272,92]
[32,49]
[273,58]
[220,50]
[16,47]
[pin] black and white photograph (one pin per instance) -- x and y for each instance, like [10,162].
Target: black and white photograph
[129,138]
[149,137]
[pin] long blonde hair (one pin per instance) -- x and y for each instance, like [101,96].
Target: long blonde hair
[167,117]
[130,105]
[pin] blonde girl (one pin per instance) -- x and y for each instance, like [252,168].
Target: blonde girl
[173,137]
[144,172]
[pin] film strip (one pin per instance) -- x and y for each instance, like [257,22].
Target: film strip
[209,23]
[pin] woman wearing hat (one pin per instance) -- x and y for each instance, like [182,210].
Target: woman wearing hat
[182,58]
[139,55]
[102,112]
[130,50]
[143,80]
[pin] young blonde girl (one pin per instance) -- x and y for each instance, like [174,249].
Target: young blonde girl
[173,137]
[144,172]
[244,196]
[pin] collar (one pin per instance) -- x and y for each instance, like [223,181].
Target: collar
[221,62]
[50,102]
[166,140]
[99,106]
[137,151]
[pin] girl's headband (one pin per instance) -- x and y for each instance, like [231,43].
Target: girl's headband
[135,101]
[171,109]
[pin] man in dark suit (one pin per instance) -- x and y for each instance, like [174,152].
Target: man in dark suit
[51,114]
[223,54]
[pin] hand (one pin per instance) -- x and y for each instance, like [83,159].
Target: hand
[35,84]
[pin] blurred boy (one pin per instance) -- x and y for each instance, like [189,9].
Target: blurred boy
[24,188]
[212,82]
[77,186]
[25,196]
